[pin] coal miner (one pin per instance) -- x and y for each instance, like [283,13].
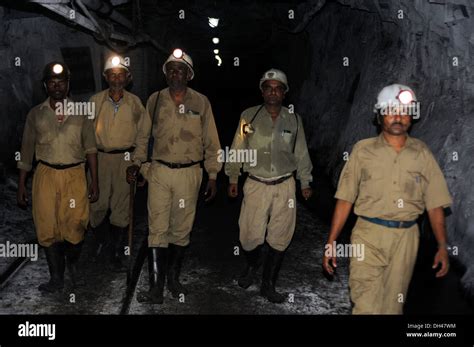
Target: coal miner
[268,211]
[121,127]
[391,179]
[61,143]
[185,136]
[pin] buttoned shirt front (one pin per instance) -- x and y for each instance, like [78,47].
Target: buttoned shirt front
[389,185]
[121,125]
[184,133]
[273,143]
[53,141]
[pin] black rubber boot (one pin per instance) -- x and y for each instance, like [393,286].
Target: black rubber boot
[175,261]
[157,264]
[270,274]
[102,240]
[117,235]
[253,258]
[73,253]
[56,265]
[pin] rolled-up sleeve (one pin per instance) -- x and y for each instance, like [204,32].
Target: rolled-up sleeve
[348,185]
[28,143]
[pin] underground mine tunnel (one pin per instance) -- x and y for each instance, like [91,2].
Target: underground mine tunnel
[337,56]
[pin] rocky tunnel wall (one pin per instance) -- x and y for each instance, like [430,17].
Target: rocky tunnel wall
[357,48]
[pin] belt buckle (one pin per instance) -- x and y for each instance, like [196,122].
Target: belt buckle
[400,225]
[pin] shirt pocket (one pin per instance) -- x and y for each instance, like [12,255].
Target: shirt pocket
[71,134]
[287,139]
[371,184]
[413,185]
[192,126]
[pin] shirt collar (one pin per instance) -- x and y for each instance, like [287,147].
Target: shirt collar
[381,141]
[47,104]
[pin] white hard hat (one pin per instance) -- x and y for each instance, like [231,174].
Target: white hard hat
[115,61]
[394,95]
[275,75]
[179,56]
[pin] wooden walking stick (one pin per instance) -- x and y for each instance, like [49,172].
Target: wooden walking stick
[130,229]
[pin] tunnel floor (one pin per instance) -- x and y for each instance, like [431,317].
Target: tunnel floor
[210,272]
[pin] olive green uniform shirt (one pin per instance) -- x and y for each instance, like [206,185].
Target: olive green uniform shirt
[186,132]
[59,143]
[390,185]
[274,145]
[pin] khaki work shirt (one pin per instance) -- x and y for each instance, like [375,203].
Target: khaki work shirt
[59,143]
[122,125]
[186,132]
[274,145]
[390,185]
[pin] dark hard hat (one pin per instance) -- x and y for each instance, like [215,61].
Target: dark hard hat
[56,69]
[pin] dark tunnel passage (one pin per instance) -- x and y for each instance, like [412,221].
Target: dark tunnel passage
[337,56]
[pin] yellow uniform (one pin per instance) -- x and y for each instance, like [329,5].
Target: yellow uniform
[59,195]
[391,186]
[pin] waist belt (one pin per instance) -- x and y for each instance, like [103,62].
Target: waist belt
[270,183]
[178,165]
[390,223]
[117,151]
[58,166]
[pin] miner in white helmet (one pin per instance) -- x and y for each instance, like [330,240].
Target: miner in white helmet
[122,126]
[184,139]
[61,143]
[390,179]
[268,211]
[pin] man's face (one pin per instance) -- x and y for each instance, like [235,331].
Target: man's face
[177,74]
[117,78]
[57,88]
[396,124]
[273,92]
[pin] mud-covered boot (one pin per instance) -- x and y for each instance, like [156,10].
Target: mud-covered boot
[175,261]
[157,264]
[73,253]
[253,258]
[56,265]
[117,235]
[270,274]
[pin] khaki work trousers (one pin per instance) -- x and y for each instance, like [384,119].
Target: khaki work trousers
[172,200]
[114,190]
[267,209]
[60,205]
[379,283]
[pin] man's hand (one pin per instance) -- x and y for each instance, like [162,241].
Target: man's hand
[211,190]
[233,190]
[141,181]
[22,196]
[93,191]
[132,172]
[329,261]
[307,193]
[443,258]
